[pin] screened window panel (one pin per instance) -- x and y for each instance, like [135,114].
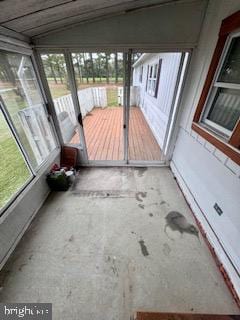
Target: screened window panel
[225,109]
[21,97]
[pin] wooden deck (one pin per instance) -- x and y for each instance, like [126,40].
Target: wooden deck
[104,135]
[142,143]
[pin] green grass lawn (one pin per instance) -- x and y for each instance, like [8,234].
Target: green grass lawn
[112,97]
[98,81]
[59,90]
[14,172]
[14,104]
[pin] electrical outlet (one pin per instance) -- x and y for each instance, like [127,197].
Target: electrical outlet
[218,209]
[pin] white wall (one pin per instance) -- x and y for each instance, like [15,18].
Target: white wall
[156,110]
[166,26]
[205,173]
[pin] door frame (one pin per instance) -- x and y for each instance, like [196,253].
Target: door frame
[76,104]
[127,58]
[82,150]
[124,161]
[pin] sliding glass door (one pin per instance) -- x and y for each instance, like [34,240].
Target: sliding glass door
[123,102]
[154,82]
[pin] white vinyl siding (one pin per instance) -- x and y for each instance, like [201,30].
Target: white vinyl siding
[156,110]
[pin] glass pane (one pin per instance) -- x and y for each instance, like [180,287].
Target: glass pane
[144,120]
[99,78]
[155,71]
[14,172]
[231,67]
[21,97]
[225,110]
[56,74]
[150,75]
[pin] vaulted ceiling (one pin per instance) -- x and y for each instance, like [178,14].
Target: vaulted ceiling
[37,17]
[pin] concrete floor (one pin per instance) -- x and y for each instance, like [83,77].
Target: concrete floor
[99,251]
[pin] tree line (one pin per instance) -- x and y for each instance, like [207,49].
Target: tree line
[89,67]
[8,71]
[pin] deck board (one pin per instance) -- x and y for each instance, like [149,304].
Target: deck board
[103,130]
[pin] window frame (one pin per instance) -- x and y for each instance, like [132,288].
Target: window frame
[152,78]
[216,85]
[22,152]
[35,172]
[226,141]
[45,109]
[141,74]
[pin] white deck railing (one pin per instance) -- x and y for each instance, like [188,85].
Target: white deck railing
[89,98]
[65,103]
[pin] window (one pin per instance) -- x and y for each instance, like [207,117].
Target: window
[223,106]
[26,138]
[153,79]
[217,116]
[21,99]
[14,172]
[141,74]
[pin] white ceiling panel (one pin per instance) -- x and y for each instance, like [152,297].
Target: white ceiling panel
[66,11]
[13,9]
[36,17]
[175,26]
[82,17]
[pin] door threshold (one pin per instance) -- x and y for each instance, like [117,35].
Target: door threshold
[115,163]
